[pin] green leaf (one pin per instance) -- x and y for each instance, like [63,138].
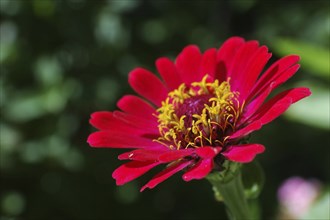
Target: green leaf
[313,57]
[320,209]
[313,110]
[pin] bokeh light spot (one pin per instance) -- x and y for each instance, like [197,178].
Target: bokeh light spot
[127,193]
[13,204]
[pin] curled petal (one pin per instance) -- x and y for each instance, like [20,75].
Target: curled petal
[132,170]
[165,174]
[254,105]
[200,170]
[207,152]
[287,74]
[243,153]
[280,103]
[256,125]
[273,73]
[204,165]
[271,110]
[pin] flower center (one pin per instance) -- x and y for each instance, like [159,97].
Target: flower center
[201,114]
[192,106]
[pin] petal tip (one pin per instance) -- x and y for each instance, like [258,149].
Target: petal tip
[143,188]
[91,140]
[243,153]
[186,178]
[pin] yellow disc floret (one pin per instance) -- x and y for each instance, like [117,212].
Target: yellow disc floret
[197,115]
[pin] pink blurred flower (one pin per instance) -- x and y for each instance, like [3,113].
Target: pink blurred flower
[296,195]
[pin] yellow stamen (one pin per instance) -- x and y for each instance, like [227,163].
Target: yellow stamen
[222,112]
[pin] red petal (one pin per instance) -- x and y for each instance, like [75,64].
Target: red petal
[143,154]
[271,110]
[173,155]
[279,80]
[208,63]
[147,85]
[285,75]
[253,106]
[165,174]
[136,106]
[243,153]
[262,95]
[168,71]
[225,56]
[207,152]
[132,170]
[200,170]
[256,125]
[114,139]
[241,59]
[139,122]
[101,120]
[188,64]
[280,103]
[106,121]
[273,73]
[248,76]
[261,119]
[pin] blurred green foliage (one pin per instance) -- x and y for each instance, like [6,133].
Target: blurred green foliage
[320,210]
[313,57]
[64,59]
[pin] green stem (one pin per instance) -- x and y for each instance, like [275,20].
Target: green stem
[232,193]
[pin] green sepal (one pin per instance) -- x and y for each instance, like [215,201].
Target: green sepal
[228,187]
[253,179]
[230,170]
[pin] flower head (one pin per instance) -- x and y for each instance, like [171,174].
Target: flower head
[199,114]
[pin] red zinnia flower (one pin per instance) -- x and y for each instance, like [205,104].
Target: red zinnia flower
[199,114]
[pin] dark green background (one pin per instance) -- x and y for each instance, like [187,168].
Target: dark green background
[62,60]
